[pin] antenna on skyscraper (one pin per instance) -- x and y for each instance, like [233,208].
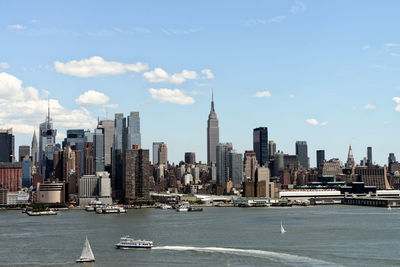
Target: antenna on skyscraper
[48,110]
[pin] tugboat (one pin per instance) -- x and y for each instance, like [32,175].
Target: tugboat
[87,254]
[127,243]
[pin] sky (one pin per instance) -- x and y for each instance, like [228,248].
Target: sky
[326,72]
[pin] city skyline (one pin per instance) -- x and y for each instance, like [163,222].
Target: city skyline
[277,65]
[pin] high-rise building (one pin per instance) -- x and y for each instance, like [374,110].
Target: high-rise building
[222,164]
[250,164]
[350,159]
[108,131]
[260,144]
[212,134]
[133,130]
[369,156]
[236,167]
[301,152]
[271,148]
[156,147]
[163,154]
[98,141]
[6,145]
[34,149]
[89,159]
[26,171]
[119,144]
[23,151]
[76,140]
[190,157]
[391,158]
[11,175]
[320,157]
[47,146]
[137,174]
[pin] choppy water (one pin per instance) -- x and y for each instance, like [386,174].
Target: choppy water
[316,236]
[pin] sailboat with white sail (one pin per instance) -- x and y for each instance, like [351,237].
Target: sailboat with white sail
[87,254]
[282,229]
[389,208]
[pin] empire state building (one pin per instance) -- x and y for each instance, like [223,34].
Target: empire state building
[212,134]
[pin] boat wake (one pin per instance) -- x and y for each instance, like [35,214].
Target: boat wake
[289,259]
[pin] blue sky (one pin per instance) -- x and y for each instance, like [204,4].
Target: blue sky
[327,71]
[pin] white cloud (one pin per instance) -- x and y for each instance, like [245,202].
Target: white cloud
[369,106]
[397,100]
[262,94]
[391,44]
[170,31]
[291,95]
[272,20]
[111,105]
[207,74]
[16,26]
[298,7]
[196,92]
[14,99]
[176,96]
[92,98]
[395,54]
[365,47]
[4,65]
[35,21]
[315,122]
[96,66]
[159,75]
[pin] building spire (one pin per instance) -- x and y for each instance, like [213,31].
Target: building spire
[48,110]
[212,101]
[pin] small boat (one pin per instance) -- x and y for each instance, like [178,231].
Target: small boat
[127,243]
[389,208]
[182,208]
[282,229]
[195,209]
[87,254]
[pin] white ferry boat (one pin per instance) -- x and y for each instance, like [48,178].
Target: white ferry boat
[127,243]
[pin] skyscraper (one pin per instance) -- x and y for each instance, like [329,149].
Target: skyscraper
[271,148]
[98,141]
[350,159]
[260,144]
[163,154]
[119,144]
[250,164]
[47,146]
[76,140]
[222,164]
[156,146]
[369,156]
[137,174]
[212,134]
[23,151]
[108,131]
[301,152]
[133,130]
[320,157]
[6,145]
[34,149]
[190,157]
[391,158]
[236,167]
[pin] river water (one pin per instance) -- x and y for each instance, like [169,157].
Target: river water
[316,236]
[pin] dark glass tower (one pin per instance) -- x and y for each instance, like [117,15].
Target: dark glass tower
[320,157]
[6,145]
[260,144]
[302,154]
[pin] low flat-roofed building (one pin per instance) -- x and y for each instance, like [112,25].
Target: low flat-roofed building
[50,193]
[17,198]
